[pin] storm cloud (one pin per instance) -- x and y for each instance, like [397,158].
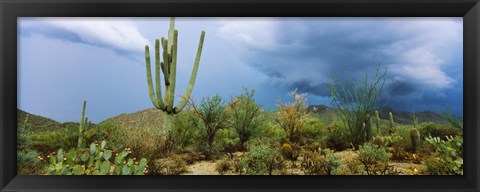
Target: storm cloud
[423,55]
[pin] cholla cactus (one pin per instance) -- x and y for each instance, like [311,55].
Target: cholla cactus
[169,66]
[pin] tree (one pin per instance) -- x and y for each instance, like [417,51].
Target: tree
[292,116]
[356,103]
[211,118]
[245,116]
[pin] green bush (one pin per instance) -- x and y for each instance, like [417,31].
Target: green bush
[312,131]
[184,134]
[29,163]
[374,159]
[95,160]
[438,130]
[48,141]
[115,134]
[337,138]
[449,157]
[261,160]
[228,140]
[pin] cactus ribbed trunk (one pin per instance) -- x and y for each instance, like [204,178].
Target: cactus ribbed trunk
[415,140]
[167,123]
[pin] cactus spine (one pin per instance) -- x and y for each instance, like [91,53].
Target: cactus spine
[169,66]
[392,125]
[377,121]
[83,126]
[415,135]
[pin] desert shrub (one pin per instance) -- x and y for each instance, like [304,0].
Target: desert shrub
[150,142]
[183,132]
[312,131]
[316,163]
[245,116]
[438,130]
[274,132]
[374,159]
[48,141]
[261,160]
[211,117]
[449,157]
[228,140]
[355,101]
[337,138]
[292,116]
[173,165]
[29,163]
[222,166]
[95,160]
[110,131]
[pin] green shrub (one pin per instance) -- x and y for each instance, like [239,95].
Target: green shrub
[48,141]
[245,116]
[438,130]
[261,160]
[115,134]
[95,160]
[337,139]
[449,157]
[29,163]
[316,163]
[228,140]
[210,118]
[184,134]
[374,159]
[312,131]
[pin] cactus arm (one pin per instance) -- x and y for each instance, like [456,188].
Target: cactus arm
[171,32]
[166,60]
[193,76]
[173,71]
[149,79]
[157,75]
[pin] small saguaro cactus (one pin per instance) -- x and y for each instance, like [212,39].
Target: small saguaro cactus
[83,126]
[169,67]
[368,129]
[415,136]
[377,121]
[392,125]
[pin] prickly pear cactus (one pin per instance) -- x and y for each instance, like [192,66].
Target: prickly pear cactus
[95,160]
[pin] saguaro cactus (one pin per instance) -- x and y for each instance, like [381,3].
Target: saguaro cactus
[83,126]
[368,129]
[415,135]
[169,67]
[377,121]
[392,125]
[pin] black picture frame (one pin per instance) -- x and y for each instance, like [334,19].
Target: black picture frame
[10,10]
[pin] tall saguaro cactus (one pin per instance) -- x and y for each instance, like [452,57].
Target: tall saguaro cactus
[169,68]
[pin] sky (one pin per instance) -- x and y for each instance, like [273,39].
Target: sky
[63,61]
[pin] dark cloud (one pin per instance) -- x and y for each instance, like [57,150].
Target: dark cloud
[419,55]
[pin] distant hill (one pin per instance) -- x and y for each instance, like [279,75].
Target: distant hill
[146,118]
[36,122]
[401,117]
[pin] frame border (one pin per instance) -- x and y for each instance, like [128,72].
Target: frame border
[10,10]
